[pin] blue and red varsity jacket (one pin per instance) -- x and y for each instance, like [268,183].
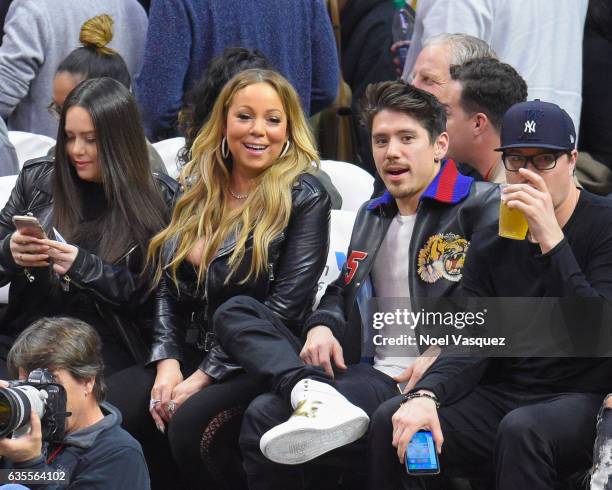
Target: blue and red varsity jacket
[451,209]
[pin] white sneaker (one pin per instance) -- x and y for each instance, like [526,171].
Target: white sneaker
[323,420]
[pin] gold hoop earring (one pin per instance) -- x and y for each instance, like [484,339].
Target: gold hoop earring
[224,148]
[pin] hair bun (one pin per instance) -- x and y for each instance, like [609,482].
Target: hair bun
[97,32]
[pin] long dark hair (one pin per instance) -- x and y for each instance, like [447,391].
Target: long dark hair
[135,210]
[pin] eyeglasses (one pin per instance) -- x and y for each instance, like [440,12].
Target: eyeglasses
[541,161]
[54,109]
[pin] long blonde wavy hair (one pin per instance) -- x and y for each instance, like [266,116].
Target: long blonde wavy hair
[201,212]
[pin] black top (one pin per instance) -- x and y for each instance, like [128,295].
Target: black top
[111,296]
[74,302]
[579,266]
[62,300]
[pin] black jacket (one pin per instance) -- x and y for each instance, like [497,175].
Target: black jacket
[296,260]
[116,289]
[452,208]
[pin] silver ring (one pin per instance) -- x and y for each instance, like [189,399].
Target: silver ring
[153,402]
[171,406]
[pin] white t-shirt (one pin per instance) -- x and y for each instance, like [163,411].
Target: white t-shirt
[390,280]
[541,39]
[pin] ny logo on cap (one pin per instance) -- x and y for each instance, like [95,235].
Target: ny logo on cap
[533,119]
[530,127]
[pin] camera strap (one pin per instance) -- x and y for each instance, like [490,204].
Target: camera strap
[55,453]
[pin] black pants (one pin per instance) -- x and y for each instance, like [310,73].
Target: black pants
[362,385]
[203,434]
[527,441]
[200,446]
[269,353]
[259,341]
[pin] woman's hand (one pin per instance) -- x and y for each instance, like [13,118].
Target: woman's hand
[168,376]
[28,251]
[62,254]
[194,383]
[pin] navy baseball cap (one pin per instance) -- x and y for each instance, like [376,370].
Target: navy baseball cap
[537,124]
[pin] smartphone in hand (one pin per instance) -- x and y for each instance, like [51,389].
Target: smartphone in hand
[421,455]
[29,225]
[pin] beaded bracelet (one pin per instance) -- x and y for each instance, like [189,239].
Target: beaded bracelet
[410,396]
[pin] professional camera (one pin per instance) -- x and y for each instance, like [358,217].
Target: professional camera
[39,393]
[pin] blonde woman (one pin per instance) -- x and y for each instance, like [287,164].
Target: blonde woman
[252,222]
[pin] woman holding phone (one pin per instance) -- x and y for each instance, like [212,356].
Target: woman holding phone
[252,221]
[98,205]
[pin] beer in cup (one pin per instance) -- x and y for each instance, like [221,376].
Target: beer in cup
[512,222]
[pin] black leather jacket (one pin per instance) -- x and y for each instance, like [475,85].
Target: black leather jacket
[296,260]
[452,208]
[117,290]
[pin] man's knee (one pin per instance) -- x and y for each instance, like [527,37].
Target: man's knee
[519,428]
[227,315]
[380,424]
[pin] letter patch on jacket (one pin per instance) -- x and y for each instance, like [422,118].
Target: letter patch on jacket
[442,256]
[352,263]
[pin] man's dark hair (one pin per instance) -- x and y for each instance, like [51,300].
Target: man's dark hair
[400,96]
[60,343]
[489,86]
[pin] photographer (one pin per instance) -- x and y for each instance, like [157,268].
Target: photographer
[94,451]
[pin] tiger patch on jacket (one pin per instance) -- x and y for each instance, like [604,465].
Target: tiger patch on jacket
[443,256]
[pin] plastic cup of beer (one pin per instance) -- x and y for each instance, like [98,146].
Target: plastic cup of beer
[512,222]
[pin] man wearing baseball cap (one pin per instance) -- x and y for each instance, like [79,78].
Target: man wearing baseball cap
[529,420]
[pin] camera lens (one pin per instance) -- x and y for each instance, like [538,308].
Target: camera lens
[13,405]
[16,405]
[5,412]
